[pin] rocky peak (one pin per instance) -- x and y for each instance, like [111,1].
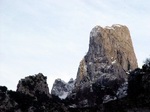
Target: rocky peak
[115,43]
[61,88]
[110,53]
[33,84]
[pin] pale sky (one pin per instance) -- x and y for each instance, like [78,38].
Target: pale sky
[52,36]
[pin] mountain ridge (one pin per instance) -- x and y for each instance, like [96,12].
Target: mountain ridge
[108,80]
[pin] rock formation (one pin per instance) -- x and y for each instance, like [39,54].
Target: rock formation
[6,102]
[137,99]
[102,73]
[103,70]
[32,95]
[61,88]
[32,84]
[106,81]
[110,53]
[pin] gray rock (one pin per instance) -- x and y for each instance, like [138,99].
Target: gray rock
[32,84]
[61,88]
[6,102]
[102,72]
[110,52]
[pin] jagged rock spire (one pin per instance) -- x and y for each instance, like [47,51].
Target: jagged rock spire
[110,52]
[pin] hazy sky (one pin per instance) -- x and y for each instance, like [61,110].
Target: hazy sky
[52,36]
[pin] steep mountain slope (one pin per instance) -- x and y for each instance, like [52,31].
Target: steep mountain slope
[108,80]
[103,71]
[110,53]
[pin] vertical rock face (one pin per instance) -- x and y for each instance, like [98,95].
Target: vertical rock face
[110,54]
[32,84]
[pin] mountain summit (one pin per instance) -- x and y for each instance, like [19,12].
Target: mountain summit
[108,80]
[110,53]
[103,72]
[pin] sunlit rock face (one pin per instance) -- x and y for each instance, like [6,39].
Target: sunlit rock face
[102,84]
[103,72]
[110,53]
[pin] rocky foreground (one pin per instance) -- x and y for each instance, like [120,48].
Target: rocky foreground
[108,80]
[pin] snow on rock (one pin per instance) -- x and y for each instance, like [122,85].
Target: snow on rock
[64,95]
[61,88]
[90,63]
[117,25]
[113,62]
[108,27]
[108,98]
[73,106]
[122,90]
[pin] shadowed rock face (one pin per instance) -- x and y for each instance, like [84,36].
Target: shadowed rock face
[33,84]
[61,88]
[110,53]
[32,95]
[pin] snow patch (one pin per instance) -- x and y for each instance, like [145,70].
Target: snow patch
[85,68]
[64,95]
[118,25]
[90,63]
[108,27]
[108,66]
[91,89]
[108,98]
[73,106]
[122,90]
[61,88]
[113,62]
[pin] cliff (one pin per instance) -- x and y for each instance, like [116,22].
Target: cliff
[110,52]
[108,80]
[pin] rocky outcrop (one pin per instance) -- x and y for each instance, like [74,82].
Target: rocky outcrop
[138,93]
[139,86]
[103,72]
[110,53]
[61,88]
[33,84]
[12,101]
[137,98]
[6,102]
[32,95]
[105,81]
